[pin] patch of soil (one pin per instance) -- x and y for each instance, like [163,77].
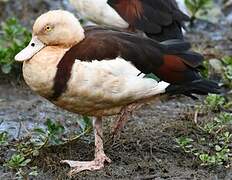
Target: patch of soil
[145,149]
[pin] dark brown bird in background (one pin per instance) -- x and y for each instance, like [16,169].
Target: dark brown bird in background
[158,19]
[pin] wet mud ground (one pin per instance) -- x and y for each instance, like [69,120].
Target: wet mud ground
[145,149]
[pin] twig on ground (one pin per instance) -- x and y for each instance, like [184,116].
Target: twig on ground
[19,131]
[147,177]
[196,116]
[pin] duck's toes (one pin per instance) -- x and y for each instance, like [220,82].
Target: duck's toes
[78,166]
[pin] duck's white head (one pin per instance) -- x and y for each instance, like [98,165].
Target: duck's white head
[54,28]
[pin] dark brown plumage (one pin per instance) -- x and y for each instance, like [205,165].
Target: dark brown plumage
[158,19]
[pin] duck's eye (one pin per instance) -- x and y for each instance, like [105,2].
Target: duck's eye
[48,28]
[33,44]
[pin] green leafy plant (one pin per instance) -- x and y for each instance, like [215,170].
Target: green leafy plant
[205,70]
[195,6]
[225,65]
[13,38]
[85,124]
[218,158]
[3,138]
[214,148]
[221,121]
[19,163]
[185,143]
[55,131]
[227,68]
[51,135]
[214,102]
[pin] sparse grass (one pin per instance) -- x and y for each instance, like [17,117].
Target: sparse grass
[213,146]
[214,102]
[19,164]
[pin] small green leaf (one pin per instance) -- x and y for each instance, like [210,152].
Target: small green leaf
[85,123]
[218,148]
[3,138]
[34,173]
[204,157]
[25,162]
[39,130]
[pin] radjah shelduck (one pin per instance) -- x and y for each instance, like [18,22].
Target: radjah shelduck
[100,72]
[158,19]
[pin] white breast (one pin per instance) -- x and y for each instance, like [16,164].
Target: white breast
[40,71]
[99,12]
[99,85]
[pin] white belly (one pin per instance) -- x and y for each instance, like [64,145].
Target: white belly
[103,85]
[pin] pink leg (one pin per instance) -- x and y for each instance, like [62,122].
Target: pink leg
[123,117]
[121,121]
[100,157]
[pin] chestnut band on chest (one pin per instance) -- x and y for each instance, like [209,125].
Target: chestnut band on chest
[63,74]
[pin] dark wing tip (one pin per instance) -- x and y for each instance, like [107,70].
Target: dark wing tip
[200,87]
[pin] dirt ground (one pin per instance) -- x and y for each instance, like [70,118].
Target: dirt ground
[145,149]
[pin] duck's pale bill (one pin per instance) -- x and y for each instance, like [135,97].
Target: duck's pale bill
[34,47]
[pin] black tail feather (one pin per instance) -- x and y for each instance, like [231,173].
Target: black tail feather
[192,59]
[176,45]
[201,87]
